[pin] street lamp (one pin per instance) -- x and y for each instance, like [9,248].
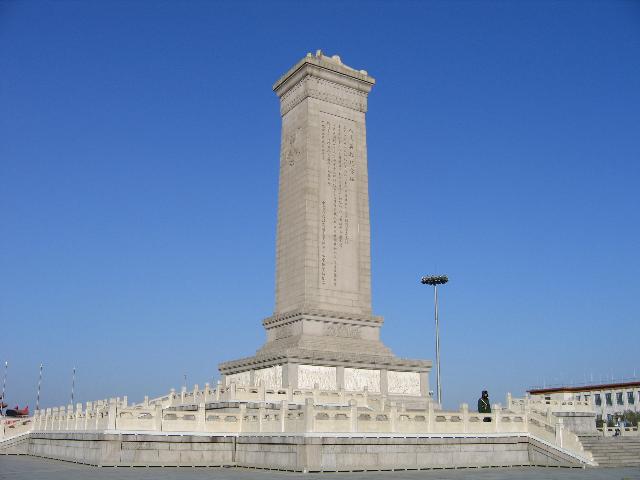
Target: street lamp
[436,280]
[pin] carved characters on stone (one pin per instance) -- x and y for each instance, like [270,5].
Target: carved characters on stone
[338,248]
[342,330]
[292,146]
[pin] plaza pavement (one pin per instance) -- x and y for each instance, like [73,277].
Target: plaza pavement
[31,468]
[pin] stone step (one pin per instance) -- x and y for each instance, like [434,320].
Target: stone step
[613,451]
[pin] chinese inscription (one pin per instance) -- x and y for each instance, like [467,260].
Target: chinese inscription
[338,209]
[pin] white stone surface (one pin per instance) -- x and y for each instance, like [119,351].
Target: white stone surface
[242,378]
[355,379]
[269,377]
[309,375]
[404,383]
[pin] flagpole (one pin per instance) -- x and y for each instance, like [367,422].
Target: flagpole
[4,384]
[73,383]
[39,384]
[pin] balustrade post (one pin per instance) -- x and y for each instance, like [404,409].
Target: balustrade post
[261,413]
[243,413]
[559,432]
[464,408]
[393,413]
[113,412]
[183,392]
[87,415]
[353,404]
[157,418]
[69,417]
[232,392]
[496,409]
[201,417]
[207,392]
[284,410]
[309,414]
[79,422]
[218,388]
[430,415]
[509,401]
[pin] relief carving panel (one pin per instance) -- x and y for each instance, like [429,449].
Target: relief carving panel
[242,378]
[404,383]
[309,375]
[355,379]
[270,378]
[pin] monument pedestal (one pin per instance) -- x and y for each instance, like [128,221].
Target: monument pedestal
[323,332]
[314,349]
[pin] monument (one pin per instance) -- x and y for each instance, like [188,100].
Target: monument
[323,332]
[323,393]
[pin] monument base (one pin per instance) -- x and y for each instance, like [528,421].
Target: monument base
[319,349]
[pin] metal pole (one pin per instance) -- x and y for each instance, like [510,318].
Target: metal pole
[439,385]
[39,383]
[4,384]
[73,383]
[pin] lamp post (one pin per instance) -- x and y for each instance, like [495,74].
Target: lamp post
[436,280]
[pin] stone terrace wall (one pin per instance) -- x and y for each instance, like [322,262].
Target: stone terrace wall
[297,453]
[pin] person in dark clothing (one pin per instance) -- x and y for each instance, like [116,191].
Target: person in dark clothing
[484,406]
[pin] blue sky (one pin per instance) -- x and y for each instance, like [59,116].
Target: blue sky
[138,186]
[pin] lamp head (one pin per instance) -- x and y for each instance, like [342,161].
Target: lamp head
[434,280]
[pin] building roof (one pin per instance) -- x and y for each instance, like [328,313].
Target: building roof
[584,388]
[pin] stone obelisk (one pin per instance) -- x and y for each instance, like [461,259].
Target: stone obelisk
[322,331]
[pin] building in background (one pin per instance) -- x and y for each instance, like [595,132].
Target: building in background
[608,400]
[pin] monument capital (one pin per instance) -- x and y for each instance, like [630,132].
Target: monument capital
[325,78]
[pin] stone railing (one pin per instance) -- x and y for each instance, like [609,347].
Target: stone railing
[255,410]
[624,431]
[11,427]
[542,405]
[238,393]
[277,417]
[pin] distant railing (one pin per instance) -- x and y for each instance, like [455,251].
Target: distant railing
[622,431]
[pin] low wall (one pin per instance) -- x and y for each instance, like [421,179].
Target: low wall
[297,452]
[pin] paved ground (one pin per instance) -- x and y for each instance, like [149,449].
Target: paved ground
[23,468]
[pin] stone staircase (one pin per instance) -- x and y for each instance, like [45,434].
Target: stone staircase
[613,451]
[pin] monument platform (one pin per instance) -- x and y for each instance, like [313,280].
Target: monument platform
[323,332]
